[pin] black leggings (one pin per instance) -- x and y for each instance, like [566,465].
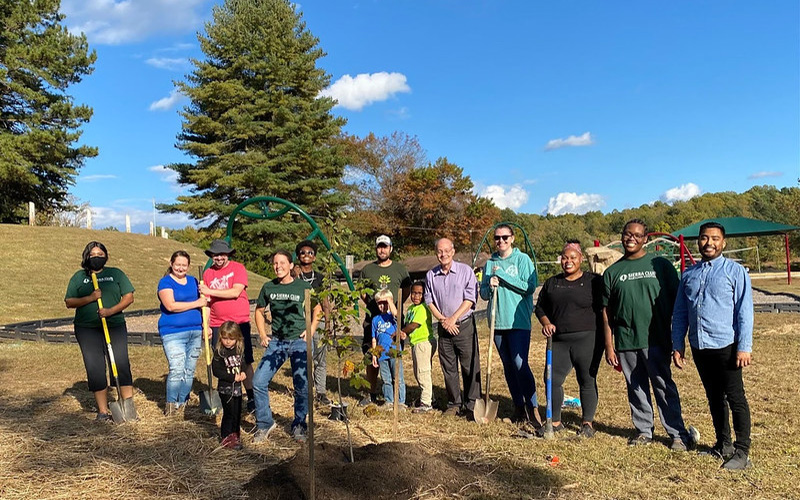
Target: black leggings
[231,414]
[92,342]
[583,351]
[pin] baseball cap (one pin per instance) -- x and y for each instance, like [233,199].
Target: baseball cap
[383,240]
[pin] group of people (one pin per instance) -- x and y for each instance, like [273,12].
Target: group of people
[638,312]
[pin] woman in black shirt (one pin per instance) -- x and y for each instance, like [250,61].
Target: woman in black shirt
[569,309]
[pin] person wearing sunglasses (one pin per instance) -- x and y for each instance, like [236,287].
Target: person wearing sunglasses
[639,292]
[512,273]
[306,252]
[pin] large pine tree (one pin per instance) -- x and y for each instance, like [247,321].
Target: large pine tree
[255,124]
[39,123]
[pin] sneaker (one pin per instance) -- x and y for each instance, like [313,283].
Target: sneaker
[229,441]
[251,405]
[366,401]
[323,400]
[451,411]
[678,445]
[422,408]
[556,428]
[640,440]
[720,451]
[469,415]
[299,434]
[104,418]
[739,461]
[586,431]
[694,437]
[262,435]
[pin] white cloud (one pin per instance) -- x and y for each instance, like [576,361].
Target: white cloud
[571,141]
[365,89]
[114,22]
[169,63]
[511,197]
[177,47]
[574,203]
[681,193]
[167,175]
[166,103]
[96,177]
[763,174]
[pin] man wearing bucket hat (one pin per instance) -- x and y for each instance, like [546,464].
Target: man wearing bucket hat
[225,283]
[383,273]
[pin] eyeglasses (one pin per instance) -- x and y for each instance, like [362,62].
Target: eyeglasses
[633,235]
[504,237]
[306,252]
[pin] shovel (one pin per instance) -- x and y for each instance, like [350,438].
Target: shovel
[122,410]
[548,378]
[210,403]
[485,409]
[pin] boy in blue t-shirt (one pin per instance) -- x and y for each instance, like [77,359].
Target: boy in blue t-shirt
[384,329]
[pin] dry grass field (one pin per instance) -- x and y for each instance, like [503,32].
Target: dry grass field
[51,448]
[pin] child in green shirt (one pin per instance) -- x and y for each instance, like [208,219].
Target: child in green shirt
[423,345]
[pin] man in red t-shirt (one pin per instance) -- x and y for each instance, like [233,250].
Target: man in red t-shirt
[225,282]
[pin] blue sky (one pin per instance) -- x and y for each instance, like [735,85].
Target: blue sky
[548,106]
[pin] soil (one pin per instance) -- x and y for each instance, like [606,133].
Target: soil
[387,470]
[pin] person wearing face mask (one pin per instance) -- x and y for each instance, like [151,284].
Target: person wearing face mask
[116,291]
[569,309]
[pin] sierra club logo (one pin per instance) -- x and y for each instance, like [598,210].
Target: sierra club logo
[637,275]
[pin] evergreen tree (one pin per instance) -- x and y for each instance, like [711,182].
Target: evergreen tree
[255,124]
[39,123]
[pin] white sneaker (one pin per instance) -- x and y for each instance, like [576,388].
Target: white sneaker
[262,435]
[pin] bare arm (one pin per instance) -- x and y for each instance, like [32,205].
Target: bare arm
[611,354]
[230,293]
[261,326]
[76,302]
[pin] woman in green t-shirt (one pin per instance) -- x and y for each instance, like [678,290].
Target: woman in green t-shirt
[117,294]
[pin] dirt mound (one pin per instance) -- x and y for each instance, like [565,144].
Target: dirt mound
[388,470]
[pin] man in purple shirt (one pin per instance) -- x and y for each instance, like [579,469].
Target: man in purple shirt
[451,292]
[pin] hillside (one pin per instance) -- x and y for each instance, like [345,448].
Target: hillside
[39,261]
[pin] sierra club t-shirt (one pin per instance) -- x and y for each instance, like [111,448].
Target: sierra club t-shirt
[420,315]
[639,295]
[173,322]
[286,305]
[572,306]
[222,310]
[112,282]
[397,276]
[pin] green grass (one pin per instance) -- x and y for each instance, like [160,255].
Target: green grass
[38,262]
[777,284]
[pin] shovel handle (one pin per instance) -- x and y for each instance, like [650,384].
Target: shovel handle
[205,312]
[105,330]
[491,344]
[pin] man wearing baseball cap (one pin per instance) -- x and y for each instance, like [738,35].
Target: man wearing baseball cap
[225,282]
[383,273]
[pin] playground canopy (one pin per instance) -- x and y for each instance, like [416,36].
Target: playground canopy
[743,226]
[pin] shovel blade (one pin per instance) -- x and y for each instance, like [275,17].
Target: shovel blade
[123,411]
[210,403]
[479,412]
[491,411]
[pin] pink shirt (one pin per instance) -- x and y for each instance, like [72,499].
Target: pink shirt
[223,310]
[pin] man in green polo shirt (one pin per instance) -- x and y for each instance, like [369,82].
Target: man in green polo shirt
[638,294]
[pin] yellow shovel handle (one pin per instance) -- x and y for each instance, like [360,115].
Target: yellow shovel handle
[105,327]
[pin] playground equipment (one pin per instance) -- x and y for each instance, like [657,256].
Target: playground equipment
[282,207]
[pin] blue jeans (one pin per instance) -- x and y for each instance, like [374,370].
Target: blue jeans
[387,375]
[182,350]
[513,347]
[274,357]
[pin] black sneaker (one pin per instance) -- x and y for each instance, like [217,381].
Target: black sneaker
[720,451]
[541,430]
[586,431]
[323,400]
[104,418]
[739,461]
[640,440]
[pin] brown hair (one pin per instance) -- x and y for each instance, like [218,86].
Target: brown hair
[178,253]
[231,330]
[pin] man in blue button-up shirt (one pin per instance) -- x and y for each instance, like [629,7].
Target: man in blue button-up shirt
[715,303]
